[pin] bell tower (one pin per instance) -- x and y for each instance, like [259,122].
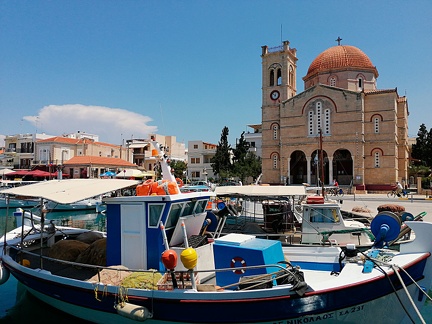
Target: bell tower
[278,85]
[279,68]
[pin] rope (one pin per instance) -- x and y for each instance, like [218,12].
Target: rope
[375,262]
[407,293]
[418,286]
[360,229]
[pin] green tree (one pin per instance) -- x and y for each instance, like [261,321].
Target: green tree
[221,161]
[418,171]
[254,165]
[244,162]
[241,149]
[428,149]
[422,149]
[179,168]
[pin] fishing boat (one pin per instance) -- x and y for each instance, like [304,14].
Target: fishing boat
[93,203]
[158,267]
[291,215]
[15,201]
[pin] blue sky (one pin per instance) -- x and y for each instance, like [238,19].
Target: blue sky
[123,69]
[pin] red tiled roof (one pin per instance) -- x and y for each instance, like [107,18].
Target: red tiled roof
[67,140]
[98,160]
[377,91]
[339,58]
[60,139]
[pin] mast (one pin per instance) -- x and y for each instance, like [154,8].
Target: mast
[322,163]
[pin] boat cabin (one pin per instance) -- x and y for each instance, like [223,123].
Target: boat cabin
[291,215]
[134,234]
[322,223]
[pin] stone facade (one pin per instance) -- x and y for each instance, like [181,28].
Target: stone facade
[362,131]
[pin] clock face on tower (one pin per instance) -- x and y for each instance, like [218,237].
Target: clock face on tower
[274,95]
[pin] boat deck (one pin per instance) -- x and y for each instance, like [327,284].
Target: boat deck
[55,267]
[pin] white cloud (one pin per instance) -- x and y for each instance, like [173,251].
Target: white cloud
[111,124]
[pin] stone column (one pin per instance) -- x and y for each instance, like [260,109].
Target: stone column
[289,171]
[330,161]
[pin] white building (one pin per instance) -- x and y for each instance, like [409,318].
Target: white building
[199,155]
[20,150]
[254,138]
[141,150]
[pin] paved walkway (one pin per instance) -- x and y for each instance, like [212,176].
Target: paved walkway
[414,204]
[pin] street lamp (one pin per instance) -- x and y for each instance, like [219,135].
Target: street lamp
[205,174]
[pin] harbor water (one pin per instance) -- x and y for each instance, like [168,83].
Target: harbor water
[19,306]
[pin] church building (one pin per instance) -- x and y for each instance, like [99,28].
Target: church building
[340,127]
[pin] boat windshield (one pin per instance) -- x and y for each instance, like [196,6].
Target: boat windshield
[184,209]
[324,215]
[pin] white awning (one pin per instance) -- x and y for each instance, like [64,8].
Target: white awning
[5,171]
[260,191]
[127,173]
[138,145]
[70,190]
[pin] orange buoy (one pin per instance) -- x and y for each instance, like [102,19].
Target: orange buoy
[144,189]
[173,188]
[169,259]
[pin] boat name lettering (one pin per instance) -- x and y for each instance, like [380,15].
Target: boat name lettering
[310,319]
[351,310]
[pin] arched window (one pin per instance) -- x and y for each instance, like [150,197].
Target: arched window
[377,159]
[275,161]
[360,83]
[376,125]
[333,81]
[319,118]
[291,76]
[279,77]
[271,78]
[275,131]
[311,122]
[326,121]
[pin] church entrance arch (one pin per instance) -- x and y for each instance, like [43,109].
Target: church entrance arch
[343,166]
[298,167]
[316,168]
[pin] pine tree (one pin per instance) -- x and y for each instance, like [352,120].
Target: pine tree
[221,162]
[240,168]
[422,149]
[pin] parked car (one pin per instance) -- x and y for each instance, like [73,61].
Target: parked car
[199,183]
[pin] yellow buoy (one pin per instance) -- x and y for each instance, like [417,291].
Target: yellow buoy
[189,258]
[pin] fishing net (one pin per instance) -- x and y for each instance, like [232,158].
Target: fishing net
[142,280]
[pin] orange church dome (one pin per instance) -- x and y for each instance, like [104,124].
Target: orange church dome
[341,57]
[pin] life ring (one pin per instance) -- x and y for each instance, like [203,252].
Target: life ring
[235,261]
[179,182]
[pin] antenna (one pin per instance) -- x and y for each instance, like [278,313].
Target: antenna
[281,34]
[162,116]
